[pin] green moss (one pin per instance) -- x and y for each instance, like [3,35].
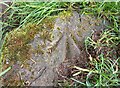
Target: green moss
[39,50]
[65,14]
[17,47]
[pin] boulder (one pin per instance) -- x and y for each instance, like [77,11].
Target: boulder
[37,53]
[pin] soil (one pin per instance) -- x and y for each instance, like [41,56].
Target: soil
[42,57]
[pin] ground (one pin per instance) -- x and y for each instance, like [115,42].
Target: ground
[66,49]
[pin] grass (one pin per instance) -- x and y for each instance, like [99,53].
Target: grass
[106,70]
[106,73]
[4,72]
[106,66]
[20,13]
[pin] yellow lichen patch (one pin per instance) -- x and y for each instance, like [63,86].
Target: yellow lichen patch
[17,47]
[48,23]
[65,14]
[38,50]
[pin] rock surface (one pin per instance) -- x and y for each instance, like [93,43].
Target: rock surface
[46,48]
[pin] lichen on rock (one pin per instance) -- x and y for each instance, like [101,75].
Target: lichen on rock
[38,50]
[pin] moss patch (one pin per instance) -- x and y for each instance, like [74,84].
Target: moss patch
[17,47]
